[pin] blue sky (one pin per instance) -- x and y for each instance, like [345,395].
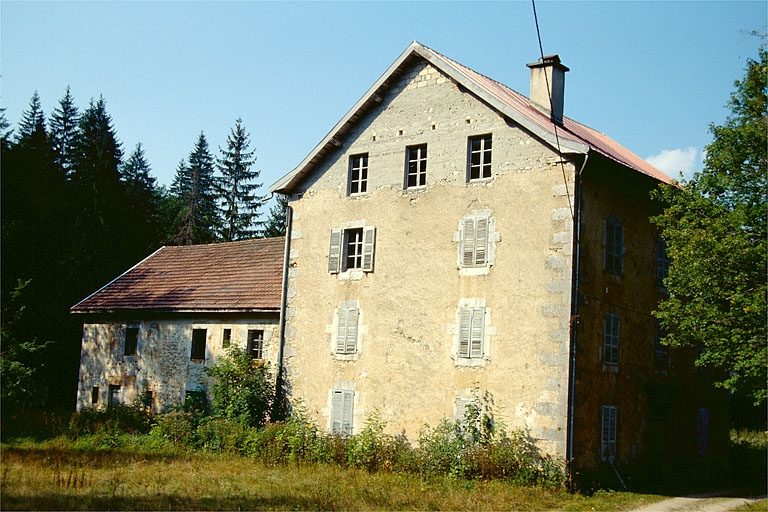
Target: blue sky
[652,75]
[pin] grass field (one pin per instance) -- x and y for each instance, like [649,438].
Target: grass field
[44,476]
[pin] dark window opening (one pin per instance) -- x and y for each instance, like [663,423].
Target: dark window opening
[226,338]
[198,344]
[353,248]
[256,343]
[614,246]
[114,394]
[131,341]
[95,395]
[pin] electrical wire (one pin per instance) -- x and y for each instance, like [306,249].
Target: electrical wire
[551,109]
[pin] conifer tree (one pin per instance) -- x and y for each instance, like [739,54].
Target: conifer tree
[32,120]
[194,187]
[276,223]
[237,187]
[142,200]
[62,127]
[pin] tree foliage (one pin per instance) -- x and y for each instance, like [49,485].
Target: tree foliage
[237,188]
[243,390]
[276,223]
[715,229]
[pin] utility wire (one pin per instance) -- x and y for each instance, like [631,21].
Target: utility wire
[551,109]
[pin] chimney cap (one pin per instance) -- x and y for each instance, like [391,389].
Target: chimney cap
[547,61]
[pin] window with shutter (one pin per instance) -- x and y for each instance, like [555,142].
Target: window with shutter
[608,434]
[342,403]
[352,249]
[471,332]
[346,333]
[474,240]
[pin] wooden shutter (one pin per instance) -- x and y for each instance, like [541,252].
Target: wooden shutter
[347,405]
[337,400]
[334,254]
[481,242]
[476,335]
[369,242]
[468,240]
[341,331]
[465,323]
[346,333]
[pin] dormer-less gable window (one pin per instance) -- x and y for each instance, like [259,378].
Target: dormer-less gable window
[479,157]
[131,341]
[416,166]
[358,174]
[352,249]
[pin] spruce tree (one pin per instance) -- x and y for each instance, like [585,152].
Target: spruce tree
[194,188]
[32,120]
[276,223]
[62,127]
[142,200]
[237,187]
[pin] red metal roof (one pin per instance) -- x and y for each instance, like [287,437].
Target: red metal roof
[242,276]
[570,129]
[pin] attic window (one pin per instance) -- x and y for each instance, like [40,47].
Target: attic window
[479,157]
[416,166]
[358,174]
[198,343]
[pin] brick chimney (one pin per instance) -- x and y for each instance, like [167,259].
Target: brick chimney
[548,78]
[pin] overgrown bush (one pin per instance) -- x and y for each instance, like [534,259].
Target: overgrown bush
[179,427]
[243,390]
[114,419]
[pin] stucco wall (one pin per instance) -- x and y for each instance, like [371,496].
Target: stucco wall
[406,367]
[162,363]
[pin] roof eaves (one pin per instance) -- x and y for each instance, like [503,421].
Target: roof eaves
[102,311]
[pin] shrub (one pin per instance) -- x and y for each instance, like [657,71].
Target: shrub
[243,390]
[221,435]
[177,426]
[114,419]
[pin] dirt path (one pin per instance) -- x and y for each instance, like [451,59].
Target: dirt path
[713,502]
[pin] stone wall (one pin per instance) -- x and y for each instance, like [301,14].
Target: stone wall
[162,363]
[406,366]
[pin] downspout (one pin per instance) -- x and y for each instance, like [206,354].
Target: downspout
[574,321]
[279,409]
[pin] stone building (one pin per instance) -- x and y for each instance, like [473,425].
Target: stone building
[453,241]
[149,334]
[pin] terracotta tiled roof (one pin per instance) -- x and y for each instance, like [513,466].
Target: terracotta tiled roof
[242,276]
[573,137]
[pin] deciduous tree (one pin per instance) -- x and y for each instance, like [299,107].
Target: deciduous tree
[715,229]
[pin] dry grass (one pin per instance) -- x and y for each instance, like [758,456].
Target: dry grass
[47,477]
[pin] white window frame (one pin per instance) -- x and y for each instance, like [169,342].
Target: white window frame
[358,164]
[611,338]
[608,433]
[613,242]
[416,156]
[485,157]
[342,411]
[339,248]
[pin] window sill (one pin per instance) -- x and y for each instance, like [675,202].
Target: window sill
[467,362]
[354,274]
[474,271]
[610,368]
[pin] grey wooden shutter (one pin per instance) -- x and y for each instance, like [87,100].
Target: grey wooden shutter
[341,331]
[477,330]
[369,242]
[347,412]
[481,242]
[337,400]
[350,341]
[468,240]
[465,322]
[334,254]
